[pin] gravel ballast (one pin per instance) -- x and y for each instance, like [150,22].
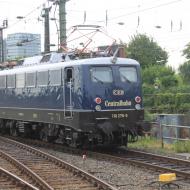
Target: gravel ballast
[122,176]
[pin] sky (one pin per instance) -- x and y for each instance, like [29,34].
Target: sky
[166,21]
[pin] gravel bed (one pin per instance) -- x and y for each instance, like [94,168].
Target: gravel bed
[122,176]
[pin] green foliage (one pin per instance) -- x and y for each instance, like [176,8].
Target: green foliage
[154,145]
[184,71]
[181,88]
[160,90]
[181,98]
[146,51]
[182,146]
[161,75]
[146,142]
[167,102]
[148,116]
[184,108]
[167,97]
[169,81]
[186,51]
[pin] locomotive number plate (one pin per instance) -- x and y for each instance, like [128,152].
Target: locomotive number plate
[119,115]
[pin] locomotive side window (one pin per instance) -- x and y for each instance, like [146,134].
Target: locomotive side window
[101,74]
[30,79]
[42,78]
[2,81]
[128,74]
[55,77]
[69,74]
[20,80]
[11,81]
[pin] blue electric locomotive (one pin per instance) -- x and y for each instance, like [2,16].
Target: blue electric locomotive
[78,102]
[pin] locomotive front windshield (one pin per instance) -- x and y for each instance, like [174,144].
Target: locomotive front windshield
[105,74]
[128,74]
[101,74]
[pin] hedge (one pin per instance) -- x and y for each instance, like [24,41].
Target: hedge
[167,102]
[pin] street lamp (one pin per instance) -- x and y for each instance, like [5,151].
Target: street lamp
[121,23]
[20,17]
[158,26]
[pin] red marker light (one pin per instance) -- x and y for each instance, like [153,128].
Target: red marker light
[98,100]
[138,99]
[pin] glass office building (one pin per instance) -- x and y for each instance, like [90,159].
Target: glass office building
[20,45]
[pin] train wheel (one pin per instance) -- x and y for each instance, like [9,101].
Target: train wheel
[3,128]
[44,134]
[13,130]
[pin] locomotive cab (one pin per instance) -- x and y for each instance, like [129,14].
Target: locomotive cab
[111,101]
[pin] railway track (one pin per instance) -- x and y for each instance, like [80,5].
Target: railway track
[47,171]
[155,162]
[160,163]
[11,181]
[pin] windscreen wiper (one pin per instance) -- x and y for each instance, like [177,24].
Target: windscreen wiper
[98,80]
[126,79]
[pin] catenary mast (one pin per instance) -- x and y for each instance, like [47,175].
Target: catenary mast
[62,21]
[47,30]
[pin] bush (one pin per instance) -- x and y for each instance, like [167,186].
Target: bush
[168,102]
[148,116]
[184,108]
[182,146]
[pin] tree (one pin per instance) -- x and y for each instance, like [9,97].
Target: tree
[158,80]
[186,51]
[146,51]
[184,71]
[159,76]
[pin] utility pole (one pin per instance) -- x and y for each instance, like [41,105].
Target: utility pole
[5,25]
[46,30]
[62,21]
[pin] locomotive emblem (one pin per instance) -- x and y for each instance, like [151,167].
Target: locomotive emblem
[118,92]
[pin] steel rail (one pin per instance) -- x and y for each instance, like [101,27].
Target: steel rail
[130,156]
[28,171]
[77,171]
[17,180]
[150,161]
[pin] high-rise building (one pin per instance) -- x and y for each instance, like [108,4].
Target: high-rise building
[20,45]
[1,45]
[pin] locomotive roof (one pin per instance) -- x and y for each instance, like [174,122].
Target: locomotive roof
[52,66]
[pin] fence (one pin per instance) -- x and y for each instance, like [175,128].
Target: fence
[170,133]
[178,133]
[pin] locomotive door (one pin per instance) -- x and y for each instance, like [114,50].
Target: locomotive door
[68,91]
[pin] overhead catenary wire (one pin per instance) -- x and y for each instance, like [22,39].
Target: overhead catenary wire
[142,10]
[110,19]
[28,14]
[147,9]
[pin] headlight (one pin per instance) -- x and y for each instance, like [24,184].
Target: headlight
[98,108]
[138,106]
